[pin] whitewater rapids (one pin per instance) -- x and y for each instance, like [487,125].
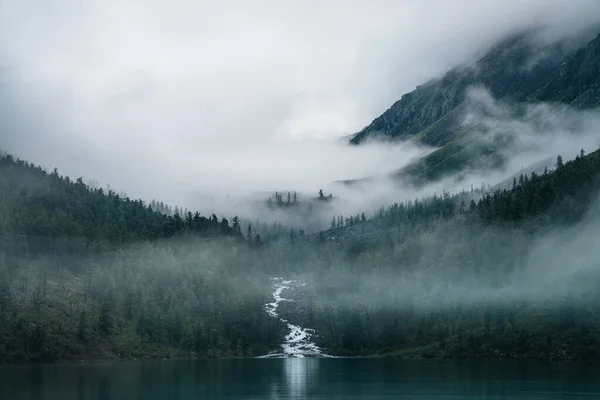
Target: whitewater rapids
[298,342]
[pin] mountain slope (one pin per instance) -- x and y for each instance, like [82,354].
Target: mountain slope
[86,274]
[531,241]
[516,72]
[578,81]
[407,281]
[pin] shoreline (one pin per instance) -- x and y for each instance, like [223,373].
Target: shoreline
[387,356]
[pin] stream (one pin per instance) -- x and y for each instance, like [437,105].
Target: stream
[298,342]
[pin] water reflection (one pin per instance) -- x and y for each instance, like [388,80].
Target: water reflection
[300,374]
[295,378]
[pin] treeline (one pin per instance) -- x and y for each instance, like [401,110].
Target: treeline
[277,200]
[566,192]
[292,200]
[38,210]
[504,273]
[86,274]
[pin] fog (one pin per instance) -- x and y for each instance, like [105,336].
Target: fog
[184,101]
[478,267]
[536,135]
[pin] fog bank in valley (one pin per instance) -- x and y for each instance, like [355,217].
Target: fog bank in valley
[220,101]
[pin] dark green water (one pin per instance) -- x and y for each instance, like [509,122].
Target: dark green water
[299,379]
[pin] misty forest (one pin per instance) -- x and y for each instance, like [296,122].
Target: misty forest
[505,269]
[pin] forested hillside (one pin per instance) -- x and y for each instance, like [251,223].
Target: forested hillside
[88,274]
[35,204]
[560,195]
[459,220]
[505,273]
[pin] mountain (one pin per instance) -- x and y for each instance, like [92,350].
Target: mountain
[531,241]
[516,72]
[91,275]
[578,81]
[503,272]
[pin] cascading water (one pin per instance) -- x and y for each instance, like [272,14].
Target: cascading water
[298,342]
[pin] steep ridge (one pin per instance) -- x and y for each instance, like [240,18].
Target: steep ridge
[517,71]
[578,81]
[512,69]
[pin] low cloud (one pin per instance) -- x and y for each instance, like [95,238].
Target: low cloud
[187,99]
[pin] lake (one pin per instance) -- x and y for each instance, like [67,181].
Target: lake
[292,378]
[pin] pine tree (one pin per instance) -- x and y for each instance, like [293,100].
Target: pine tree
[472,206]
[225,229]
[236,228]
[189,220]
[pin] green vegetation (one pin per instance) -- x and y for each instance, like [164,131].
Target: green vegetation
[37,205]
[441,280]
[486,273]
[87,275]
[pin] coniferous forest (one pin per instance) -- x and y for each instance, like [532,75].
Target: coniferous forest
[508,271]
[504,272]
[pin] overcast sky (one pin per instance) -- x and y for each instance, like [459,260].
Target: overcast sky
[156,97]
